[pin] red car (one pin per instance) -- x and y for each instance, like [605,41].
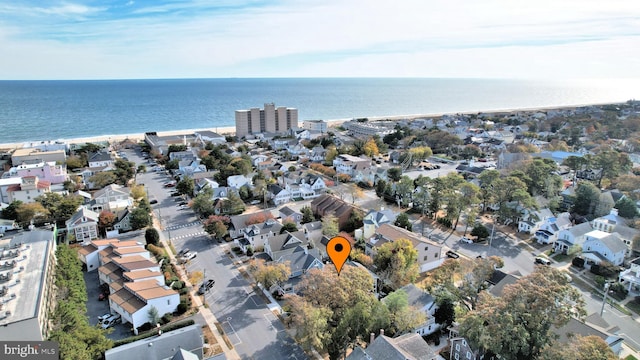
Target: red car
[170,184]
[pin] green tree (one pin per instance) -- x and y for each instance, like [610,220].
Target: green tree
[403,318]
[380,186]
[140,218]
[141,169]
[31,213]
[330,225]
[587,196]
[480,231]
[203,202]
[75,162]
[233,205]
[153,316]
[289,226]
[186,186]
[611,163]
[394,174]
[60,208]
[487,180]
[124,171]
[103,179]
[445,314]
[307,215]
[11,211]
[627,208]
[402,220]
[172,164]
[518,325]
[151,236]
[397,263]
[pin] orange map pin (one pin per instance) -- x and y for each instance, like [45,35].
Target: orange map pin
[338,249]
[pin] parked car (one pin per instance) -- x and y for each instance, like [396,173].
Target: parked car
[170,184]
[183,207]
[183,203]
[102,318]
[452,254]
[153,201]
[189,256]
[465,239]
[110,321]
[206,286]
[542,261]
[183,251]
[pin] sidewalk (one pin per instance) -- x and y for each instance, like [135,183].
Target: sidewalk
[231,354]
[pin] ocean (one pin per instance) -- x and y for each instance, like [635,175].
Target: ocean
[52,110]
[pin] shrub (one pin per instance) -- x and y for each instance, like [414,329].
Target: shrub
[182,308]
[249,251]
[177,285]
[444,221]
[183,291]
[166,318]
[600,280]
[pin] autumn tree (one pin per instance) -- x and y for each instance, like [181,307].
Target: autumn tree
[519,324]
[370,148]
[258,218]
[138,192]
[31,213]
[269,274]
[330,226]
[475,279]
[590,347]
[106,219]
[397,263]
[216,226]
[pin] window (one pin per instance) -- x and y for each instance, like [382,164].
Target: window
[468,355]
[425,258]
[168,302]
[457,356]
[457,347]
[426,248]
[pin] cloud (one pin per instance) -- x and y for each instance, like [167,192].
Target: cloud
[322,38]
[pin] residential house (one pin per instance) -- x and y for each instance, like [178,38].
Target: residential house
[602,246]
[187,155]
[258,158]
[111,198]
[122,222]
[349,164]
[327,204]
[429,253]
[278,194]
[318,154]
[100,159]
[574,235]
[631,276]
[576,327]
[240,223]
[315,125]
[190,167]
[257,234]
[182,344]
[404,347]
[289,214]
[547,230]
[88,254]
[374,218]
[424,302]
[45,171]
[5,183]
[300,260]
[83,225]
[286,241]
[7,225]
[28,190]
[238,181]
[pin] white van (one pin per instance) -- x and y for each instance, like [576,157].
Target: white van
[542,261]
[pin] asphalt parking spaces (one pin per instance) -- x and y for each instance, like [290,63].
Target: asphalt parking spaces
[231,332]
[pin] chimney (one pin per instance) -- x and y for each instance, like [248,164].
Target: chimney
[372,337]
[381,331]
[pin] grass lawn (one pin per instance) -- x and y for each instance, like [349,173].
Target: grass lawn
[630,357]
[633,306]
[560,257]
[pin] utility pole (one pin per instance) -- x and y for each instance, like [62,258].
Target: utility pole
[493,230]
[604,301]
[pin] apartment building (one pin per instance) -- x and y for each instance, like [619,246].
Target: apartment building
[27,264]
[271,119]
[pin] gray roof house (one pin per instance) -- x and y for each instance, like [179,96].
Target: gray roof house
[422,300]
[184,343]
[405,347]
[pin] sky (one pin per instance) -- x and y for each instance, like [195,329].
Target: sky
[112,39]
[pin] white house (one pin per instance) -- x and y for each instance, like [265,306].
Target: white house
[374,219]
[238,181]
[278,194]
[28,190]
[531,221]
[349,164]
[426,303]
[574,235]
[429,253]
[100,159]
[111,198]
[631,276]
[548,230]
[600,246]
[83,225]
[88,254]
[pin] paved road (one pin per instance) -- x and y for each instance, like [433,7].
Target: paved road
[253,330]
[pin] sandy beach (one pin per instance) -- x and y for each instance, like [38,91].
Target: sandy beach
[230,130]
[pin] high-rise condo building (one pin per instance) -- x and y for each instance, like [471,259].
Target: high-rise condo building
[270,120]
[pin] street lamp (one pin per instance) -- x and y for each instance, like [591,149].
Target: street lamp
[493,230]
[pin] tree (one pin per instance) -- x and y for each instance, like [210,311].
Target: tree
[11,211]
[140,218]
[289,226]
[138,192]
[487,179]
[233,205]
[518,325]
[311,322]
[371,148]
[151,236]
[330,225]
[611,163]
[216,226]
[60,208]
[203,202]
[403,318]
[307,215]
[445,314]
[402,220]
[153,316]
[31,213]
[75,162]
[380,186]
[475,280]
[394,174]
[141,169]
[397,263]
[587,196]
[269,274]
[106,219]
[103,179]
[480,231]
[590,347]
[627,208]
[124,171]
[186,186]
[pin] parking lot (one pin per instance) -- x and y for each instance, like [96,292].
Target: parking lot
[96,307]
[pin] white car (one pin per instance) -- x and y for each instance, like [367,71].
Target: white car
[465,239]
[189,256]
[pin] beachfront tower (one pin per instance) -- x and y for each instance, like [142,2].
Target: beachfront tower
[269,120]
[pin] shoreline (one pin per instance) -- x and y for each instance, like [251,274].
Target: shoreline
[230,130]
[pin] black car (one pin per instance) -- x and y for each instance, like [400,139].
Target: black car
[175,193]
[452,255]
[206,286]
